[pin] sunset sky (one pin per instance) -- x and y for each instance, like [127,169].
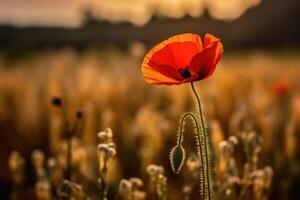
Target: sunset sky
[70,12]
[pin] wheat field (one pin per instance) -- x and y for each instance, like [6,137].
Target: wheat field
[254,127]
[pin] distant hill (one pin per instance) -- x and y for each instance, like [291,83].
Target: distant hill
[274,23]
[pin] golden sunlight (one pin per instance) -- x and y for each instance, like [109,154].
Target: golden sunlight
[139,12]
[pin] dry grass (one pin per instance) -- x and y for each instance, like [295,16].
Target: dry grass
[108,87]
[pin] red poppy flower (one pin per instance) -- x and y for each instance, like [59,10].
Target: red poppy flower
[182,59]
[281,88]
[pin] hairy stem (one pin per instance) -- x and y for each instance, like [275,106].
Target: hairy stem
[199,147]
[206,145]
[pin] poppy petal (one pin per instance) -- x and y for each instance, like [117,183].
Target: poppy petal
[210,40]
[165,59]
[203,63]
[177,51]
[153,76]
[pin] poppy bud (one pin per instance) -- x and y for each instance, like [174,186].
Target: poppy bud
[177,157]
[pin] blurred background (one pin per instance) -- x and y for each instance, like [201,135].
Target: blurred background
[89,53]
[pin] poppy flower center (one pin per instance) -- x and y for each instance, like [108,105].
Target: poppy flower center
[185,73]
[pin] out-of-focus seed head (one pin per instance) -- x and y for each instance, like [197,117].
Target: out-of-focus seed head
[43,190]
[139,195]
[233,140]
[269,176]
[260,180]
[187,190]
[112,152]
[257,175]
[234,180]
[125,187]
[155,170]
[38,158]
[103,148]
[105,136]
[111,145]
[51,163]
[15,161]
[16,164]
[254,139]
[54,171]
[226,149]
[43,185]
[177,157]
[108,149]
[136,182]
[105,153]
[228,191]
[70,190]
[263,176]
[223,145]
[252,145]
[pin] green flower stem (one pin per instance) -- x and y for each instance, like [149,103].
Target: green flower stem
[198,144]
[206,145]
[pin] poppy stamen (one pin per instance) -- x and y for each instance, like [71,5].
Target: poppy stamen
[185,73]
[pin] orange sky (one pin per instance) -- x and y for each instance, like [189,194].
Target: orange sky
[69,12]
